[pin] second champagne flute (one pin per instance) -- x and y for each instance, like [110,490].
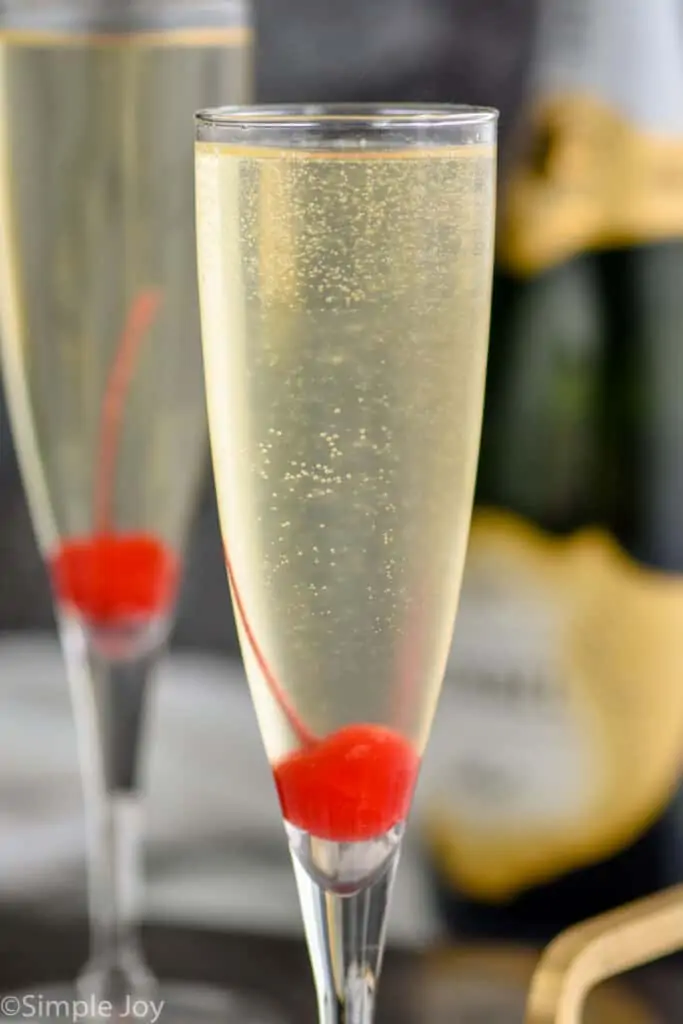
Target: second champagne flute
[103,373]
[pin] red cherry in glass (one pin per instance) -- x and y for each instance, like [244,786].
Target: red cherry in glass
[351,786]
[111,578]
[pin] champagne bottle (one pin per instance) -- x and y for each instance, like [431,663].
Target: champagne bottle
[557,797]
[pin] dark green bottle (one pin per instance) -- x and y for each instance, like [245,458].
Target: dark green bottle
[557,796]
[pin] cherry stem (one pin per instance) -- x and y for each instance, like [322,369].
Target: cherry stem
[304,735]
[140,319]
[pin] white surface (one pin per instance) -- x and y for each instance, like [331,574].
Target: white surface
[215,846]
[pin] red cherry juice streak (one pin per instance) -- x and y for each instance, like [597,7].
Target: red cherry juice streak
[351,786]
[111,578]
[140,319]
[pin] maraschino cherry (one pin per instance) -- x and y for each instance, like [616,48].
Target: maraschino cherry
[110,579]
[354,785]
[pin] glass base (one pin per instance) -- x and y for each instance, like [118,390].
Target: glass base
[173,1003]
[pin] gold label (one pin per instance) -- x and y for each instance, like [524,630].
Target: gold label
[591,179]
[602,157]
[564,706]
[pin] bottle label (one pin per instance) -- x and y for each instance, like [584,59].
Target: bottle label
[601,158]
[564,703]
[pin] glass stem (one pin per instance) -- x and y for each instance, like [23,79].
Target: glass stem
[345,929]
[109,701]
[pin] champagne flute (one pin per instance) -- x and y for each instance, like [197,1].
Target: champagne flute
[345,264]
[102,369]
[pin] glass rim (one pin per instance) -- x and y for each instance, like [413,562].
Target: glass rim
[376,116]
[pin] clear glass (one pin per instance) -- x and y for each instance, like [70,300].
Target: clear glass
[103,375]
[345,266]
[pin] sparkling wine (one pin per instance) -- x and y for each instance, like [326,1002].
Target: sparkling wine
[345,304]
[102,362]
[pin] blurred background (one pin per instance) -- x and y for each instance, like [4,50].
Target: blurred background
[551,788]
